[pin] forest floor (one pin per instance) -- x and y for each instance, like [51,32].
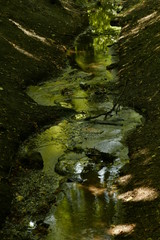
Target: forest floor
[34,40]
[139,71]
[32,52]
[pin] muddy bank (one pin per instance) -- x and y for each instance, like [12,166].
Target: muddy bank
[34,39]
[139,77]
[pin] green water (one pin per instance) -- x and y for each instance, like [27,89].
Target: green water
[88,207]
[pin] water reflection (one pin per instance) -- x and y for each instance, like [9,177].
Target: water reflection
[86,211]
[92,54]
[91,51]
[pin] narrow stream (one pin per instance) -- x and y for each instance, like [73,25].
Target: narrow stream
[86,152]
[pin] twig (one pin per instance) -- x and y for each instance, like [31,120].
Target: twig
[111,110]
[108,123]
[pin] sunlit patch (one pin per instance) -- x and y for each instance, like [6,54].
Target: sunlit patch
[156,49]
[65,105]
[148,17]
[80,116]
[69,7]
[30,33]
[24,51]
[143,23]
[147,161]
[121,229]
[124,180]
[135,7]
[96,191]
[139,194]
[140,152]
[30,55]
[145,154]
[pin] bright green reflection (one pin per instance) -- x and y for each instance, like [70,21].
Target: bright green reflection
[92,54]
[51,144]
[79,100]
[91,51]
[86,211]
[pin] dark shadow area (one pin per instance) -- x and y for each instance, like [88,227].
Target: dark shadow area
[139,71]
[34,38]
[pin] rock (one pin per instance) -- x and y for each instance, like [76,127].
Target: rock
[76,179]
[71,164]
[98,156]
[33,160]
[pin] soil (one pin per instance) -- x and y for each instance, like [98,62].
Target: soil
[35,36]
[139,71]
[27,60]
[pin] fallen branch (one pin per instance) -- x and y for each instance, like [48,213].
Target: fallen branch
[108,123]
[116,104]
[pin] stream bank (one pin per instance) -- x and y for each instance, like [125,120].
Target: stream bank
[87,88]
[30,52]
[139,73]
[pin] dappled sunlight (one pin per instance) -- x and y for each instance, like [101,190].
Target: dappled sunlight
[124,180]
[97,191]
[21,50]
[121,229]
[140,152]
[142,24]
[87,209]
[71,7]
[139,194]
[157,49]
[147,18]
[144,154]
[147,161]
[135,7]
[30,33]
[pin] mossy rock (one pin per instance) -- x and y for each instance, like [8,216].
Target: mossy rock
[71,163]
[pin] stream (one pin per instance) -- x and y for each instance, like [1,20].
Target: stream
[85,152]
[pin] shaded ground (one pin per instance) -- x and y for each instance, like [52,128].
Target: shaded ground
[34,38]
[139,72]
[26,60]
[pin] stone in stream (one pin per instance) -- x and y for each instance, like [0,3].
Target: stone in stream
[32,160]
[71,164]
[98,156]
